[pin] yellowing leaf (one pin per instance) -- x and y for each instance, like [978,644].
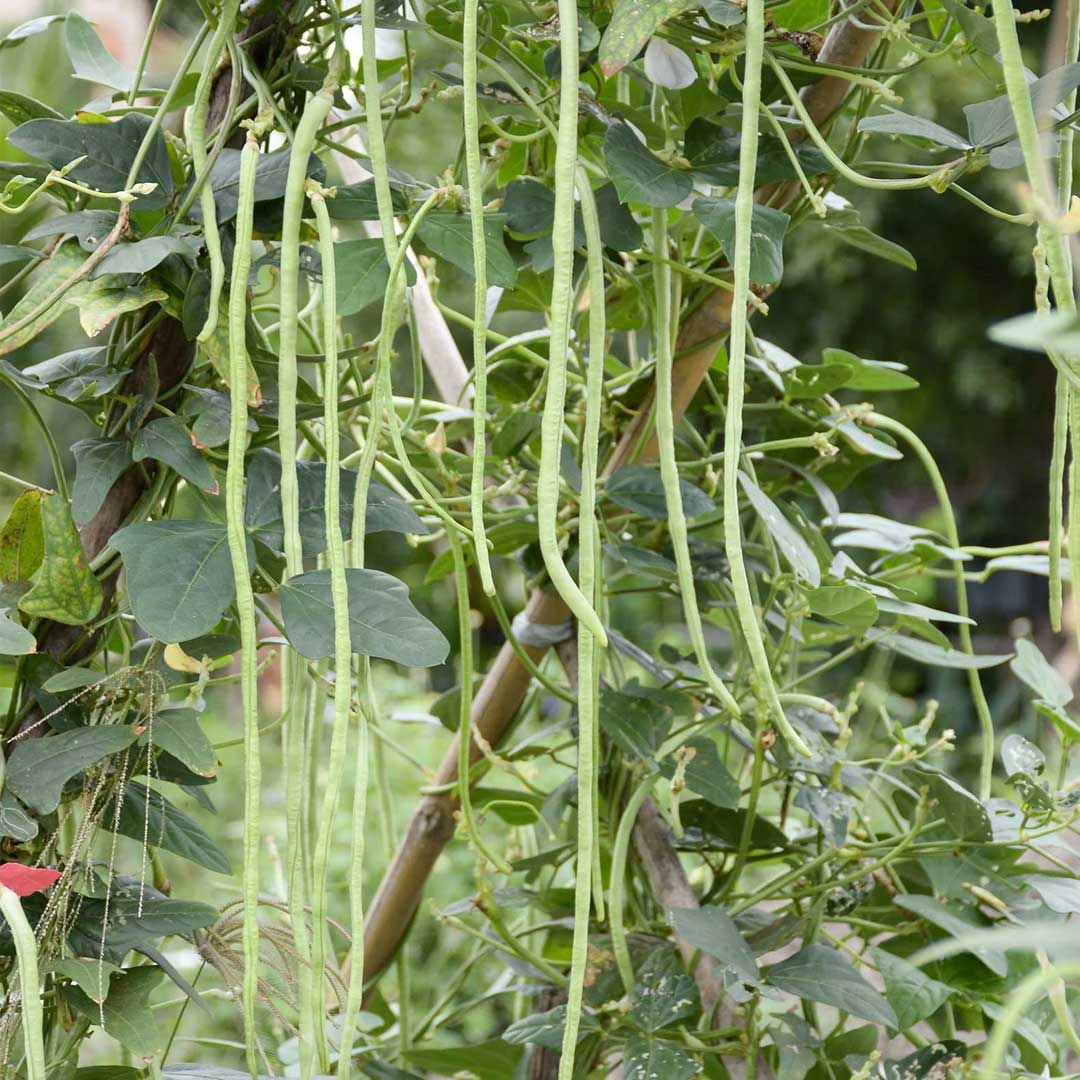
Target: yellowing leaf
[22,541]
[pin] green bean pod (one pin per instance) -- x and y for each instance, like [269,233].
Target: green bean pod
[26,954]
[245,599]
[197,146]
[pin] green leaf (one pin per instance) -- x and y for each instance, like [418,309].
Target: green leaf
[1060,894]
[639,175]
[814,380]
[22,539]
[89,57]
[1038,331]
[871,374]
[105,298]
[72,678]
[830,809]
[99,463]
[127,1013]
[713,153]
[64,588]
[639,488]
[134,922]
[618,229]
[29,29]
[796,551]
[1031,667]
[179,576]
[991,122]
[141,256]
[638,725]
[168,441]
[546,1028]
[767,228]
[108,152]
[723,12]
[357,202]
[647,1058]
[38,769]
[956,920]
[847,604]
[89,974]
[706,775]
[928,1063]
[177,732]
[363,274]
[19,108]
[15,639]
[978,29]
[386,510]
[662,994]
[147,814]
[90,227]
[632,23]
[1021,757]
[15,822]
[912,994]
[926,652]
[491,1060]
[818,973]
[46,280]
[529,207]
[14,255]
[271,175]
[894,122]
[449,236]
[382,619]
[713,931]
[79,375]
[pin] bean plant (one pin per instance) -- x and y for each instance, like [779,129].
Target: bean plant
[358,415]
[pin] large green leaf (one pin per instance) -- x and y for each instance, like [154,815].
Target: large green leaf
[15,639]
[99,463]
[357,202]
[1031,667]
[818,973]
[179,576]
[847,604]
[912,994]
[19,108]
[638,725]
[926,652]
[64,589]
[649,1058]
[126,1011]
[79,375]
[546,1028]
[135,921]
[271,175]
[386,510]
[382,619]
[640,489]
[767,228]
[639,175]
[38,769]
[956,920]
[991,122]
[713,931]
[449,235]
[22,539]
[29,29]
[147,815]
[633,22]
[141,256]
[894,122]
[106,298]
[89,974]
[108,151]
[491,1060]
[89,227]
[964,815]
[46,280]
[89,57]
[168,441]
[362,274]
[706,775]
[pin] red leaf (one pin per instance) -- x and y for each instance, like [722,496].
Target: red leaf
[25,880]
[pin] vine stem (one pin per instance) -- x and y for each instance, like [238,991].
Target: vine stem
[978,696]
[245,599]
[744,208]
[26,953]
[562,239]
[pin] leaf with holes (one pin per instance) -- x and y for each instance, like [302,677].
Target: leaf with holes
[663,994]
[64,588]
[648,1058]
[38,769]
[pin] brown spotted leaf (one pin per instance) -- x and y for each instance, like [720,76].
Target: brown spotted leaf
[64,588]
[22,540]
[633,22]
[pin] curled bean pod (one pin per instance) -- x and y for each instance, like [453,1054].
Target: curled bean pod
[245,599]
